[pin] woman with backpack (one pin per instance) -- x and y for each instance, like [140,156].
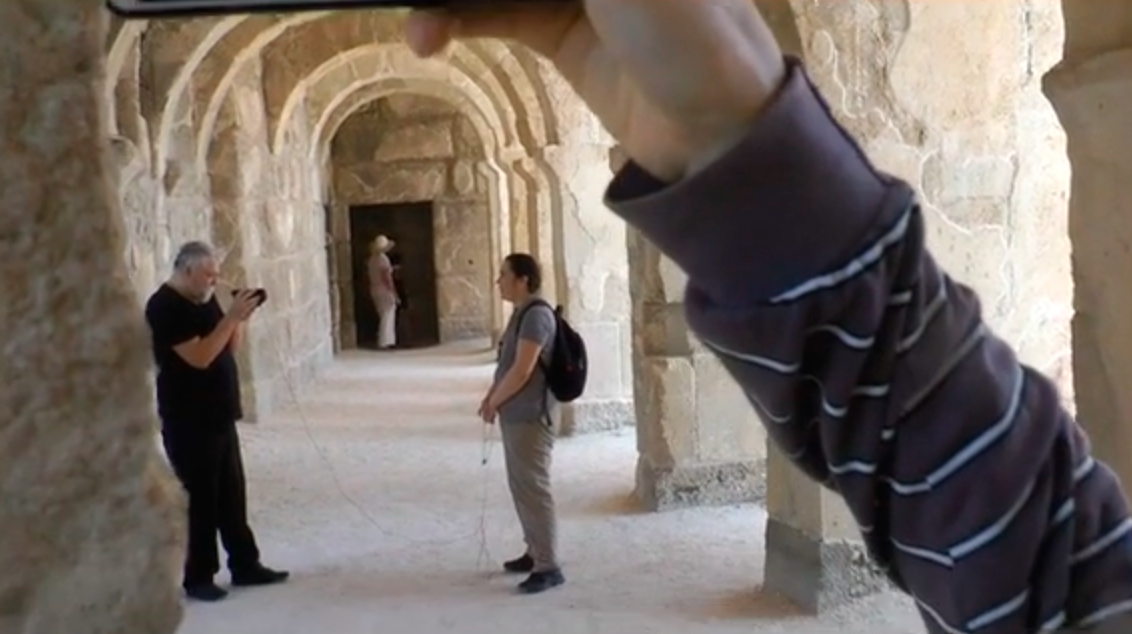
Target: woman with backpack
[528,377]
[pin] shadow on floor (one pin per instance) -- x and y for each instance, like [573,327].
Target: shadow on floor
[614,505]
[454,355]
[750,604]
[406,386]
[348,585]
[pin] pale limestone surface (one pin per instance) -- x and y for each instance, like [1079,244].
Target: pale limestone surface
[947,96]
[404,148]
[387,551]
[267,221]
[223,129]
[700,442]
[1092,91]
[90,519]
[231,139]
[972,132]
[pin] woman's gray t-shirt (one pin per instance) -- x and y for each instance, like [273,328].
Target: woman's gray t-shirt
[534,402]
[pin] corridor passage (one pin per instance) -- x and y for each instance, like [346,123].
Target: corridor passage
[372,492]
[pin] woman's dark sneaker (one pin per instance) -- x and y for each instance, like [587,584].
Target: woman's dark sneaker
[542,581]
[523,564]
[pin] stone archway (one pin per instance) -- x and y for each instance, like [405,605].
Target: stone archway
[293,167]
[127,511]
[332,90]
[539,168]
[482,174]
[412,148]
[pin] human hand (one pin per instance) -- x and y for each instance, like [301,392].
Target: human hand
[487,412]
[243,305]
[676,82]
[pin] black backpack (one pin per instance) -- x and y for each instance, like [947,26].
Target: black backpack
[566,372]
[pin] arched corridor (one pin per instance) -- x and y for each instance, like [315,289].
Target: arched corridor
[372,490]
[121,140]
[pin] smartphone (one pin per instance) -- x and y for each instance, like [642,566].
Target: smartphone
[259,293]
[189,8]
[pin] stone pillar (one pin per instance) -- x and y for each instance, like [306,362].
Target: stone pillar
[519,200]
[587,244]
[814,552]
[495,182]
[533,227]
[231,185]
[342,263]
[699,440]
[982,150]
[90,518]
[1091,89]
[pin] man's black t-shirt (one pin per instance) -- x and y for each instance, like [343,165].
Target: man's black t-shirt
[187,396]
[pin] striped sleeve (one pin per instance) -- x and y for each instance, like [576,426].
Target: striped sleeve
[875,373]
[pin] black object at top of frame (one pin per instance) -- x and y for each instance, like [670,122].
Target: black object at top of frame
[157,9]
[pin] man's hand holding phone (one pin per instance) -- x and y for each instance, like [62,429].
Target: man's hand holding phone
[244,304]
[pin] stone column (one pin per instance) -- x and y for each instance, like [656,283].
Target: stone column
[495,182]
[343,267]
[533,229]
[1091,89]
[231,186]
[814,552]
[982,150]
[90,519]
[587,244]
[699,440]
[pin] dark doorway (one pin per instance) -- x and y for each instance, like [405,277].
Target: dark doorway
[410,225]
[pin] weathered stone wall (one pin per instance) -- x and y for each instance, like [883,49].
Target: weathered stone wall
[1092,91]
[698,438]
[147,241]
[158,212]
[182,203]
[945,95]
[569,226]
[945,121]
[263,210]
[537,178]
[91,528]
[407,148]
[971,130]
[161,208]
[270,226]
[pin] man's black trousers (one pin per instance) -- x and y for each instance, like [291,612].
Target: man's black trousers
[207,460]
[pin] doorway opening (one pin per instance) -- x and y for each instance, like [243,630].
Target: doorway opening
[411,226]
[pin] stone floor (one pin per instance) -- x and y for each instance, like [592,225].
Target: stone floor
[372,491]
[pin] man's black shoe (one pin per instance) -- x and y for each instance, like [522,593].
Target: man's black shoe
[523,564]
[259,576]
[542,581]
[208,591]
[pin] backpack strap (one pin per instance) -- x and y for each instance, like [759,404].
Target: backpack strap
[541,365]
[538,301]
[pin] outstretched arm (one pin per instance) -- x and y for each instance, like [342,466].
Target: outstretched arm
[809,277]
[874,372]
